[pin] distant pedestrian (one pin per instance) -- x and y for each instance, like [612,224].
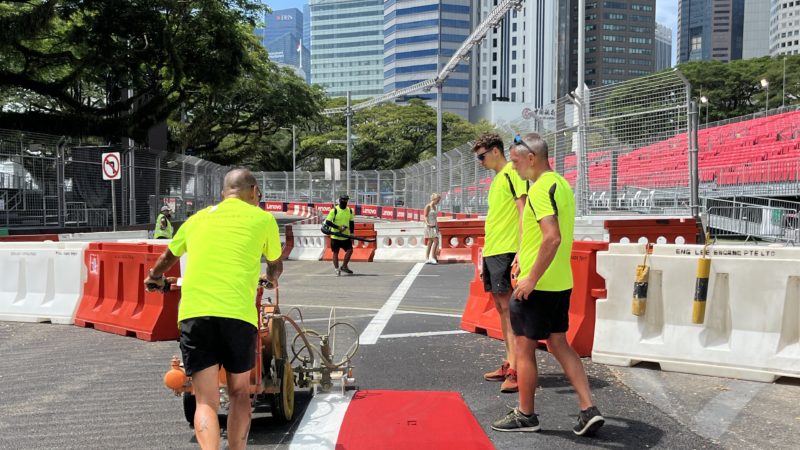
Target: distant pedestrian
[342,221]
[540,306]
[163,224]
[431,216]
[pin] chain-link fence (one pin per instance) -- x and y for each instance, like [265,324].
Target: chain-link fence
[54,182]
[638,141]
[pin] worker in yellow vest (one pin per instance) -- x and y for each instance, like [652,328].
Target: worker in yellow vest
[163,224]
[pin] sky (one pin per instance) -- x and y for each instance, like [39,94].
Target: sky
[666,14]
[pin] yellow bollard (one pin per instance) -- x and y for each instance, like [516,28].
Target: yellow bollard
[701,287]
[640,284]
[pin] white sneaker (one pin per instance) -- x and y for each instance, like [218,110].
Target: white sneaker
[338,272]
[432,261]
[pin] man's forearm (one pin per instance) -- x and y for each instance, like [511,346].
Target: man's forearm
[164,263]
[274,269]
[547,252]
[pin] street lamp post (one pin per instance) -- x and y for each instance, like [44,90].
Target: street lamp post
[294,162]
[783,96]
[765,85]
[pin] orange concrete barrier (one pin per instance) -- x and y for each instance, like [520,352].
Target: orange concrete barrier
[362,251]
[458,238]
[480,315]
[114,299]
[661,231]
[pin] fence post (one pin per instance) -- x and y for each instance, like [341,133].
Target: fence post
[694,183]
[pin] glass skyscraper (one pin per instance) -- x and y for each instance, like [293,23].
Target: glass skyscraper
[419,38]
[347,46]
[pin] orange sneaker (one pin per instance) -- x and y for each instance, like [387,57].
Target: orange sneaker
[499,374]
[510,383]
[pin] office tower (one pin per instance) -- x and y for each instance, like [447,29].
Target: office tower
[420,37]
[756,29]
[663,47]
[347,46]
[514,69]
[784,31]
[710,30]
[282,37]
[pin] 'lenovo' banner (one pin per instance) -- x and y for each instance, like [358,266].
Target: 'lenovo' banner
[369,210]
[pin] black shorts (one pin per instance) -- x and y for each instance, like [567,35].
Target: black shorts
[496,273]
[208,341]
[344,244]
[543,313]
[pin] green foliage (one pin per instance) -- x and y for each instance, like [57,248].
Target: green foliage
[389,136]
[65,66]
[734,88]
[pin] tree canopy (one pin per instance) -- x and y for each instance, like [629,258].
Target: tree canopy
[115,68]
[734,89]
[387,136]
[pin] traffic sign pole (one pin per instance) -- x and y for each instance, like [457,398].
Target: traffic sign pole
[113,207]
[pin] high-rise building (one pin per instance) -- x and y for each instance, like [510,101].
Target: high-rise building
[710,30]
[282,36]
[756,29]
[307,26]
[514,69]
[784,30]
[663,47]
[419,38]
[620,41]
[517,61]
[347,46]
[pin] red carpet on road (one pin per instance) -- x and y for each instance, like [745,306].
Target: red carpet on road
[410,420]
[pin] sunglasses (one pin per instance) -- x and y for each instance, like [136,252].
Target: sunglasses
[482,156]
[518,141]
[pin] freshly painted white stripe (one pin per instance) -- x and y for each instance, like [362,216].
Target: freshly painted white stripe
[358,308]
[424,334]
[325,319]
[378,323]
[333,275]
[714,419]
[322,421]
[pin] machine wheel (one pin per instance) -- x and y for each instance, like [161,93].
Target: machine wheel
[189,407]
[283,401]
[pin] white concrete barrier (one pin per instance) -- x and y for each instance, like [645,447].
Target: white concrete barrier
[589,229]
[309,243]
[400,241]
[109,236]
[752,321]
[41,281]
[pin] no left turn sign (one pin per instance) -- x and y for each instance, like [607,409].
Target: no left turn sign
[111,166]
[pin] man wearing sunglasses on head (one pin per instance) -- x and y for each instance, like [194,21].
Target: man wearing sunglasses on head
[539,306]
[502,231]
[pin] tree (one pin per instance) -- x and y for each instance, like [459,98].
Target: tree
[389,136]
[734,88]
[67,66]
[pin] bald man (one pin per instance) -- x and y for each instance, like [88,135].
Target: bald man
[217,316]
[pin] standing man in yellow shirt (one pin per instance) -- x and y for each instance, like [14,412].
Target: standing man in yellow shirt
[341,220]
[163,224]
[502,231]
[217,316]
[540,304]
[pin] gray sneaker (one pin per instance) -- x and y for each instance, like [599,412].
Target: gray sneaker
[516,421]
[338,272]
[589,421]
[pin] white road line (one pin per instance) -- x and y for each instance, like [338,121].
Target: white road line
[423,334]
[358,308]
[333,275]
[717,415]
[378,323]
[321,422]
[338,318]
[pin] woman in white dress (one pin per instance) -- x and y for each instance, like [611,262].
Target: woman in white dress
[432,228]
